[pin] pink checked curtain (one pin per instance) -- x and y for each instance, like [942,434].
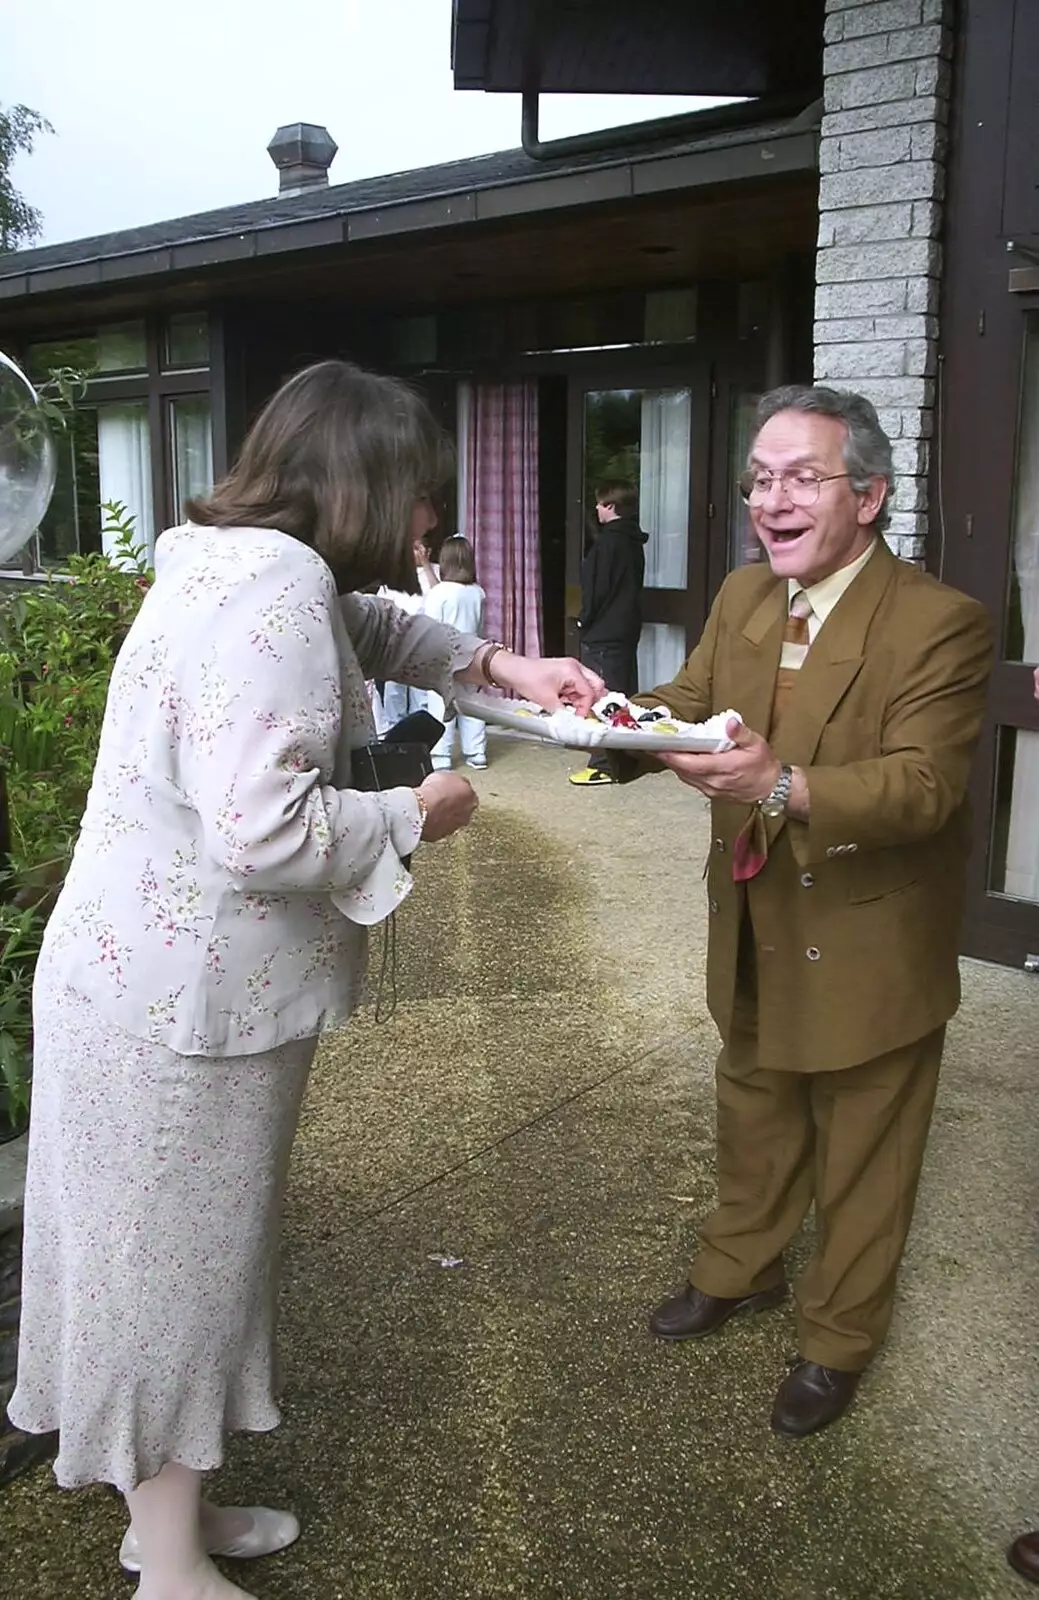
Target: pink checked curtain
[498,505]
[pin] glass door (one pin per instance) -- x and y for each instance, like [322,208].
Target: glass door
[1005,918]
[648,437]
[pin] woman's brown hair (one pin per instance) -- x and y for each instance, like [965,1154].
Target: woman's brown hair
[457,561]
[337,458]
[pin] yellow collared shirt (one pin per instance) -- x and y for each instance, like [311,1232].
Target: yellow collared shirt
[823,596]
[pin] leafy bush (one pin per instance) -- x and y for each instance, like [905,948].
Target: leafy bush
[58,643]
[21,930]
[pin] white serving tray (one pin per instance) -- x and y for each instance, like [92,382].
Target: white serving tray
[525,720]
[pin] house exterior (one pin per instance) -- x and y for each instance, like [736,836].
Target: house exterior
[613,305]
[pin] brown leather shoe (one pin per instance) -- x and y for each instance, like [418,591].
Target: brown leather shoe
[694,1314]
[1023,1556]
[811,1397]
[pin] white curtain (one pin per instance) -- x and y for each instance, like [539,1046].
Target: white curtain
[192,450]
[1022,874]
[661,653]
[124,466]
[664,485]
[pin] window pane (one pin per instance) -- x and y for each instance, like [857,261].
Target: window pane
[72,525]
[661,652]
[192,439]
[187,340]
[743,542]
[43,359]
[121,347]
[1014,868]
[124,463]
[118,347]
[642,437]
[1022,631]
[103,456]
[413,340]
[670,316]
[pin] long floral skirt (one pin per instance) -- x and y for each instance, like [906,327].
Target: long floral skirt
[152,1220]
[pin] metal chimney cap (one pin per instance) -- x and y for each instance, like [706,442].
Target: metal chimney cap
[302,144]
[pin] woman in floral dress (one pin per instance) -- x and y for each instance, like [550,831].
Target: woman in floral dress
[212,923]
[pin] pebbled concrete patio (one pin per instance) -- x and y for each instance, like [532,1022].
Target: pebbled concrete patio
[539,1109]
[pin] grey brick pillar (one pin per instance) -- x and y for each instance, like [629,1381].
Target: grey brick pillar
[882,181]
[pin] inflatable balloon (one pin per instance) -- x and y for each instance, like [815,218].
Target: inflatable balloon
[28,460]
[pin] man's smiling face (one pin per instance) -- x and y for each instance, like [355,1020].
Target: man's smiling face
[808,543]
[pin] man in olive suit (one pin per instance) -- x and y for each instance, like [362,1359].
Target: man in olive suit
[840,836]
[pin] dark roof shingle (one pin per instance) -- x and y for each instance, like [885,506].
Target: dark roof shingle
[507,167]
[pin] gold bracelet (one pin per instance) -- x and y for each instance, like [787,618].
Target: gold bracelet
[488,656]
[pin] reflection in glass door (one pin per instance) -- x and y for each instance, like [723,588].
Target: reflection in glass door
[1014,857]
[743,542]
[191,449]
[642,438]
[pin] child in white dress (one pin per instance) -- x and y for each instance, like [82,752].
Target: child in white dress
[459,601]
[394,700]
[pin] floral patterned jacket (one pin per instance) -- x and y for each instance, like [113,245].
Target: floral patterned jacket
[219,894]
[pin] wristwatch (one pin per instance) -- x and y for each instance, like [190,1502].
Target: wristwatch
[778,797]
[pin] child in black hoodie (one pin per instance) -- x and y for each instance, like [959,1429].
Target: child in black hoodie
[612,575]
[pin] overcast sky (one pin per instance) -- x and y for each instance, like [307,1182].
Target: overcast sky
[161,109]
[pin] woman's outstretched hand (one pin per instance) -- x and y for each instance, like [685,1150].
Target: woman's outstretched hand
[550,681]
[450,802]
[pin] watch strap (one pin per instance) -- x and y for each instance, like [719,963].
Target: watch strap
[778,797]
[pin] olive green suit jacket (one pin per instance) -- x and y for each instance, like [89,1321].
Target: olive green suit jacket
[856,914]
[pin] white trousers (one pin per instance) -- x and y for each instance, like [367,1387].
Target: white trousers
[471,731]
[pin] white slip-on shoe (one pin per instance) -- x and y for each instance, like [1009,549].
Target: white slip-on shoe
[270,1532]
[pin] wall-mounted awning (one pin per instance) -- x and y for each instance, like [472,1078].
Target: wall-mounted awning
[758,48]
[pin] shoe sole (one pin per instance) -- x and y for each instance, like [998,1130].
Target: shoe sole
[131,1564]
[767,1300]
[783,1432]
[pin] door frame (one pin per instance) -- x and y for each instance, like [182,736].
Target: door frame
[998,927]
[685,607]
[978,409]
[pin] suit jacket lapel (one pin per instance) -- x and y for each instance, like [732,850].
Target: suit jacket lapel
[833,661]
[755,659]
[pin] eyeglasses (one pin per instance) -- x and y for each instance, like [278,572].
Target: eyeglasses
[801,488]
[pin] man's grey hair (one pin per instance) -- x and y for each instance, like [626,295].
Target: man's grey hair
[867,448]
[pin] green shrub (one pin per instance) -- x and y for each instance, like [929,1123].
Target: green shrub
[21,930]
[58,642]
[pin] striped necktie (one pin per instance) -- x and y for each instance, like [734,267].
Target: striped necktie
[796,639]
[750,848]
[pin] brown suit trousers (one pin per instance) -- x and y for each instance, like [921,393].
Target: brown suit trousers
[852,1141]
